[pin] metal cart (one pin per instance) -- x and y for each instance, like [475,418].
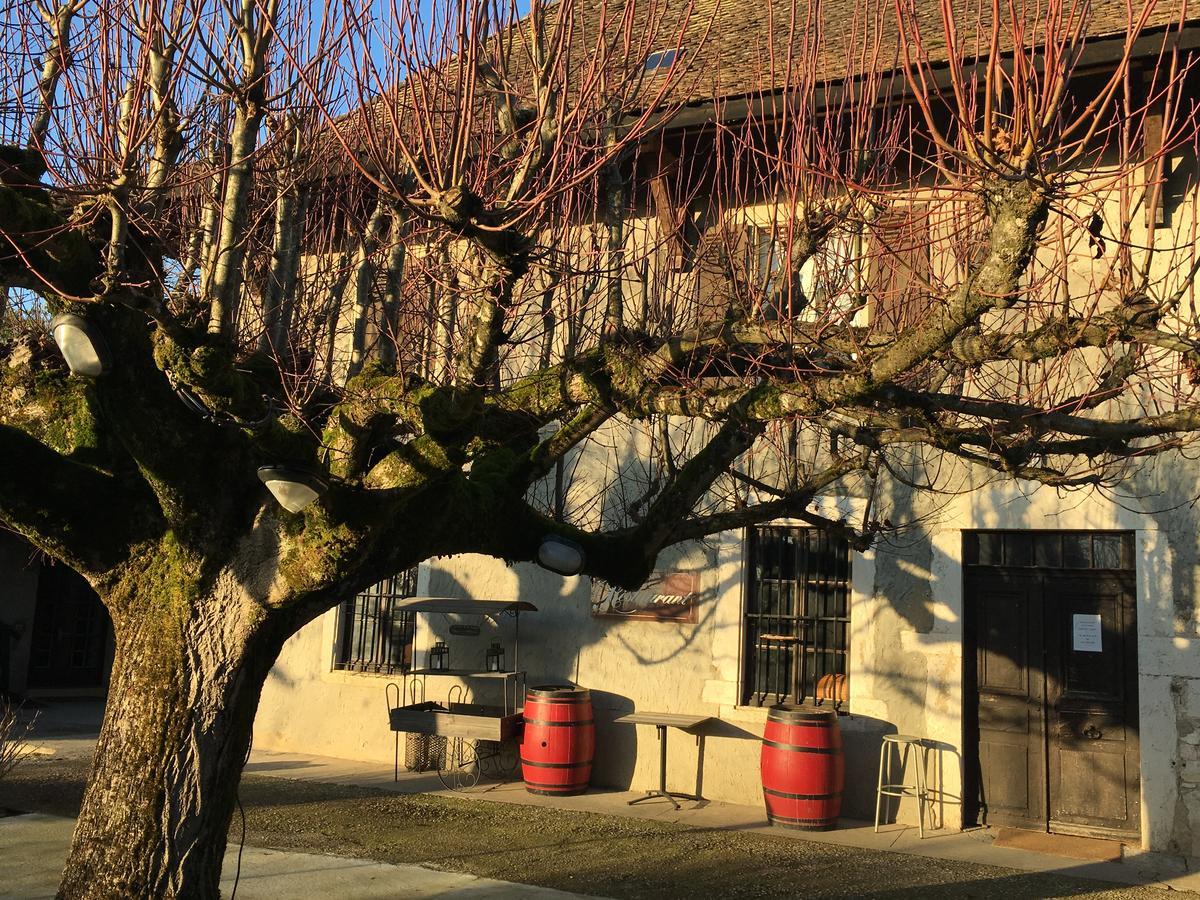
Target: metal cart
[478,738]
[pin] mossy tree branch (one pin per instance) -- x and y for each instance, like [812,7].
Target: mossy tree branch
[72,511]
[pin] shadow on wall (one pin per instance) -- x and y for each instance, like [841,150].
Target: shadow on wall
[559,644]
[617,745]
[862,737]
[564,642]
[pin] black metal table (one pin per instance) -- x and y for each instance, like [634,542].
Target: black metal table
[663,721]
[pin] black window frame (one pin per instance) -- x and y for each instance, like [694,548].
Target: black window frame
[372,635]
[810,623]
[1065,549]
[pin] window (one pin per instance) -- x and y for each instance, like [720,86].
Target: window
[826,287]
[769,256]
[1049,549]
[899,269]
[797,618]
[661,60]
[373,636]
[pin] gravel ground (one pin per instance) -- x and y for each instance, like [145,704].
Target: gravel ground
[594,854]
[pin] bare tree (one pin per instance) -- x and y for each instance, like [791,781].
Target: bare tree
[456,261]
[15,731]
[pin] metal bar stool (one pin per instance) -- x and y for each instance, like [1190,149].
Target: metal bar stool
[902,746]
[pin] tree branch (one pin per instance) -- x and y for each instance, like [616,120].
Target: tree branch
[58,55]
[74,512]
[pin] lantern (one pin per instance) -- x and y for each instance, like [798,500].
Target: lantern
[294,488]
[495,657]
[439,657]
[558,554]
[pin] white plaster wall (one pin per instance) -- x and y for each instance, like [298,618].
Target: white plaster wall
[628,664]
[905,675]
[309,708]
[906,661]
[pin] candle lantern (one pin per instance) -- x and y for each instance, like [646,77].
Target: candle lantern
[495,657]
[439,657]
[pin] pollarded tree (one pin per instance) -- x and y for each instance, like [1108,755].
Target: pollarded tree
[431,259]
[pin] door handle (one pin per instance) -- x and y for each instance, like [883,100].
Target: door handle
[1093,733]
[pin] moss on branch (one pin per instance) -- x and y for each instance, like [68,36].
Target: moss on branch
[160,582]
[40,398]
[210,371]
[43,247]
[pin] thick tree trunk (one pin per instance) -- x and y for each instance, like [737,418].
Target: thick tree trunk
[177,727]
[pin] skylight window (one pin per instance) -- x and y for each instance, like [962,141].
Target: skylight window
[660,60]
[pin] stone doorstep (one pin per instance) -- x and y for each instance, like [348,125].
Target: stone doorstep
[1070,846]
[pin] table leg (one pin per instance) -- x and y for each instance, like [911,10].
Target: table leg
[662,776]
[662,761]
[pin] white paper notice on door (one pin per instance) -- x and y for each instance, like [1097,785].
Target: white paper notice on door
[1087,633]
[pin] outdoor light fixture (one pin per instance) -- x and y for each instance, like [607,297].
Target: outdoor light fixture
[81,344]
[293,487]
[560,555]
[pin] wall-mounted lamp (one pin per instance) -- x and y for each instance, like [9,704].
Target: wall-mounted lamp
[293,487]
[81,344]
[561,555]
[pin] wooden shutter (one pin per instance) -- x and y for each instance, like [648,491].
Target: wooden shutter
[723,271]
[898,269]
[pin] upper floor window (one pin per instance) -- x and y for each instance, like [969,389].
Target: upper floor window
[877,274]
[899,268]
[796,624]
[826,286]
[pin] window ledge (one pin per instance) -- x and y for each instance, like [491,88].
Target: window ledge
[758,714]
[349,675]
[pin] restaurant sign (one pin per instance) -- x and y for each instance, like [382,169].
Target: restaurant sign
[665,597]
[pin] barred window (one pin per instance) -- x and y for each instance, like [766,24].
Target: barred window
[374,636]
[797,618]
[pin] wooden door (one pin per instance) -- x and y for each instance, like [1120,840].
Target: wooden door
[1009,768]
[1092,711]
[1051,719]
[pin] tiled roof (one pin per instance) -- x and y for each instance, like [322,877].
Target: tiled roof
[736,47]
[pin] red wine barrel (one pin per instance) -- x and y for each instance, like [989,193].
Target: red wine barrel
[803,769]
[559,741]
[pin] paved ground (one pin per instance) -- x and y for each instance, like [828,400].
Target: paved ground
[33,847]
[346,830]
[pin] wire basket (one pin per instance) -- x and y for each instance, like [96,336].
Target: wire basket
[424,752]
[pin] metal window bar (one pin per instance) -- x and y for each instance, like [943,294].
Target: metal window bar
[373,636]
[797,623]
